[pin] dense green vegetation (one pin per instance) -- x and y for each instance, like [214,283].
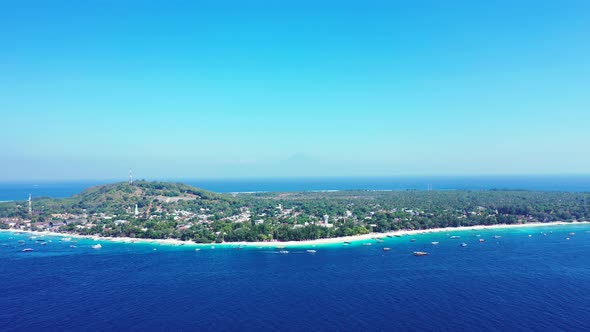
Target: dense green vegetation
[171,210]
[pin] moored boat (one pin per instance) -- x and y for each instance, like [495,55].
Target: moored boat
[482,240]
[311,251]
[463,244]
[386,249]
[434,243]
[27,250]
[455,237]
[97,246]
[420,253]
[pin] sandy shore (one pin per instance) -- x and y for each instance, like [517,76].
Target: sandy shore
[306,243]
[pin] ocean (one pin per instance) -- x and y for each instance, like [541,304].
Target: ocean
[59,189]
[516,282]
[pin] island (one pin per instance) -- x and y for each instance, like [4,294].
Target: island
[162,210]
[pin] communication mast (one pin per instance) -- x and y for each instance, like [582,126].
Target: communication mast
[30,206]
[130,177]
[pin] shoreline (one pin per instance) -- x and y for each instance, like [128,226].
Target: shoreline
[304,243]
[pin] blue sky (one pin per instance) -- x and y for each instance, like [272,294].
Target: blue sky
[208,89]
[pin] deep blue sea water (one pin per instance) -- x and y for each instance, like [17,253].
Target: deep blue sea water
[516,282]
[21,190]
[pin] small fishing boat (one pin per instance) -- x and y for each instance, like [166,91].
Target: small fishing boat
[455,237]
[367,244]
[530,235]
[72,246]
[27,250]
[420,253]
[284,251]
[97,246]
[386,249]
[197,249]
[463,244]
[572,234]
[379,241]
[482,240]
[311,251]
[497,236]
[434,243]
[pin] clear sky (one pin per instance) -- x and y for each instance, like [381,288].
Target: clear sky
[208,89]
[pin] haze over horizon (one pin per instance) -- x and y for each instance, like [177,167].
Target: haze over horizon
[213,89]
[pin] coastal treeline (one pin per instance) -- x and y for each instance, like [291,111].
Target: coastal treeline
[159,210]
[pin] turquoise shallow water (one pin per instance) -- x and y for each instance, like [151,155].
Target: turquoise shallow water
[515,282]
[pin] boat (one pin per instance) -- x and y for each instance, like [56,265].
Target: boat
[311,251]
[21,242]
[72,246]
[463,244]
[420,253]
[497,236]
[412,240]
[284,251]
[27,250]
[43,243]
[482,240]
[455,237]
[530,235]
[197,249]
[280,247]
[66,239]
[572,234]
[367,244]
[97,246]
[397,235]
[389,236]
[434,243]
[379,241]
[386,249]
[95,238]
[567,238]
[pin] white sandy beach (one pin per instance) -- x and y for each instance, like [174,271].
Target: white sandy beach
[306,243]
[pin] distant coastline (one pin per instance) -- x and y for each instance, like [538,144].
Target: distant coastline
[19,190]
[304,243]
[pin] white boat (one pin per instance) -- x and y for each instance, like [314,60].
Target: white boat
[311,251]
[27,250]
[97,246]
[66,239]
[367,244]
[435,243]
[463,244]
[497,236]
[482,240]
[386,249]
[284,251]
[95,238]
[455,237]
[197,249]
